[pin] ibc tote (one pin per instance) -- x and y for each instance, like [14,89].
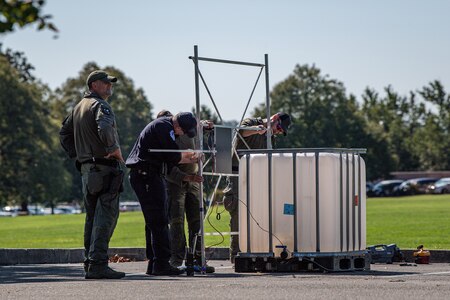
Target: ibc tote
[328,209]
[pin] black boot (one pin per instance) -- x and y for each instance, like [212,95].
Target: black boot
[166,270]
[149,268]
[103,272]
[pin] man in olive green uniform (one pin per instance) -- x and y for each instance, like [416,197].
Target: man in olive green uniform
[98,151]
[183,186]
[184,193]
[254,139]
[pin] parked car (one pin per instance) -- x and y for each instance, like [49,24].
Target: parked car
[66,210]
[384,188]
[34,209]
[130,206]
[414,186]
[369,187]
[9,211]
[4,213]
[442,186]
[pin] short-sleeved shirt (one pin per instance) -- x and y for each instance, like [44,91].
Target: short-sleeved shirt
[255,141]
[158,134]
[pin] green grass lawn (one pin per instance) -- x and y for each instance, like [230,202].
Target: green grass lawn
[66,231]
[405,221]
[409,221]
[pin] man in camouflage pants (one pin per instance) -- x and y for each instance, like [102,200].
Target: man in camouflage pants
[183,187]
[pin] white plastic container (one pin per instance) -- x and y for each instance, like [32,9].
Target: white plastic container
[341,210]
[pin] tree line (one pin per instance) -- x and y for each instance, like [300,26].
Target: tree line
[401,133]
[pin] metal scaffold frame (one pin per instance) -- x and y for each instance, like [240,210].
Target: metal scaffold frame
[349,258]
[198,75]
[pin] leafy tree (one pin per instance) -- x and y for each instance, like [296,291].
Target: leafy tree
[394,117]
[23,13]
[130,105]
[18,61]
[433,140]
[323,116]
[29,170]
[207,114]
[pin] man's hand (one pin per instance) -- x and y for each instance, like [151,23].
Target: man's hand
[188,158]
[261,129]
[207,124]
[116,154]
[193,178]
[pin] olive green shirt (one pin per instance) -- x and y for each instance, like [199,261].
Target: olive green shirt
[255,141]
[95,128]
[179,171]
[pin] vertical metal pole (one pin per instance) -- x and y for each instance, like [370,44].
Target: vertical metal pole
[294,176]
[197,87]
[317,204]
[269,127]
[347,206]
[353,201]
[247,165]
[359,201]
[200,163]
[341,201]
[269,159]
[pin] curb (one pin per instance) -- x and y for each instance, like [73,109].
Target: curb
[9,256]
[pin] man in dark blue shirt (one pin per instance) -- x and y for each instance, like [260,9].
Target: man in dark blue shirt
[148,169]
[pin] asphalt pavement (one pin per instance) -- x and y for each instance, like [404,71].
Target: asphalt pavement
[383,281]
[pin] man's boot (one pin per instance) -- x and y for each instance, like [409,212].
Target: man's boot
[166,270]
[103,272]
[149,268]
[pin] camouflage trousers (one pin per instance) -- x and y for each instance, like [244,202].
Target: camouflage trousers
[231,203]
[102,211]
[183,203]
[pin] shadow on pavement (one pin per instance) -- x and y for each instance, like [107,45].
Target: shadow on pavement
[66,273]
[41,273]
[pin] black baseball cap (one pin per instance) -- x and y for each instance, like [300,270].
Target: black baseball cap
[285,122]
[188,123]
[100,75]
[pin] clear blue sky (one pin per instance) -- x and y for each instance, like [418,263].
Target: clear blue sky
[361,43]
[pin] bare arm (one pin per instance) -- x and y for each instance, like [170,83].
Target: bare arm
[260,129]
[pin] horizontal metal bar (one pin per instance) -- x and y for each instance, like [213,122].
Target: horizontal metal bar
[220,174]
[326,254]
[255,254]
[222,233]
[181,151]
[240,128]
[303,150]
[234,62]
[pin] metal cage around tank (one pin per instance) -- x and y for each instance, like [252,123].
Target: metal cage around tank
[350,254]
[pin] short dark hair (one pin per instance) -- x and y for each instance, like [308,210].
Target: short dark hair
[164,113]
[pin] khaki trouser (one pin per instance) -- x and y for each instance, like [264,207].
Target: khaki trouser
[102,211]
[183,201]
[231,203]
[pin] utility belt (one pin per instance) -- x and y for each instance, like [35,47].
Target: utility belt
[149,168]
[102,161]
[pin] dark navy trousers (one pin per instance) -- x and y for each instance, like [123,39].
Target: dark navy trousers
[150,188]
